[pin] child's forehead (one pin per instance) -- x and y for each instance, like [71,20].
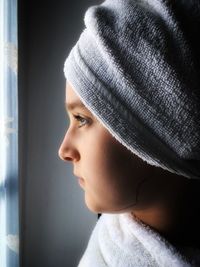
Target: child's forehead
[72,100]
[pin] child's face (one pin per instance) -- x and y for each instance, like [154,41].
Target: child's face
[112,175]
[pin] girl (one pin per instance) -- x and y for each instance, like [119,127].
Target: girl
[132,96]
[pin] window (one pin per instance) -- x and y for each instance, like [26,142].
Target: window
[9,215]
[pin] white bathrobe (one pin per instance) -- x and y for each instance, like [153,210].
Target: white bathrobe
[119,240]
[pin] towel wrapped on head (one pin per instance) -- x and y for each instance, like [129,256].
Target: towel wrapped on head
[136,67]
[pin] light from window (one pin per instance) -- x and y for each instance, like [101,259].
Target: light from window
[2,142]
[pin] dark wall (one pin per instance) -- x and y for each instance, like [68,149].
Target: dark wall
[55,223]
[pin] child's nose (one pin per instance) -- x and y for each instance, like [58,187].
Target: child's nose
[67,152]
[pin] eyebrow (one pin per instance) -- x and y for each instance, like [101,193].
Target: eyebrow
[73,105]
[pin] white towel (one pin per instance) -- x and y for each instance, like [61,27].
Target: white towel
[118,240]
[136,67]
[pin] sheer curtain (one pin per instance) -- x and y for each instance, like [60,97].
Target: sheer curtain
[9,214]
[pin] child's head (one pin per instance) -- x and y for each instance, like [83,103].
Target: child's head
[114,179]
[130,70]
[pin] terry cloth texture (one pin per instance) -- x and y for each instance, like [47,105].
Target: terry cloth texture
[136,67]
[118,240]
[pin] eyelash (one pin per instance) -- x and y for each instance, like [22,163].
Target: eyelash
[79,118]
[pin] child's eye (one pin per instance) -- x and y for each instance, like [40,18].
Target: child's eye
[82,120]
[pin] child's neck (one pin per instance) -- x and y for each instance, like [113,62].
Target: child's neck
[177,218]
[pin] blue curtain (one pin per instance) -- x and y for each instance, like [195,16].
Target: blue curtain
[9,204]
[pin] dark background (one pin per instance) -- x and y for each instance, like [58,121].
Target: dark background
[55,224]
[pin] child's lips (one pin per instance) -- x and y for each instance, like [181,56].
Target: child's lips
[81,181]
